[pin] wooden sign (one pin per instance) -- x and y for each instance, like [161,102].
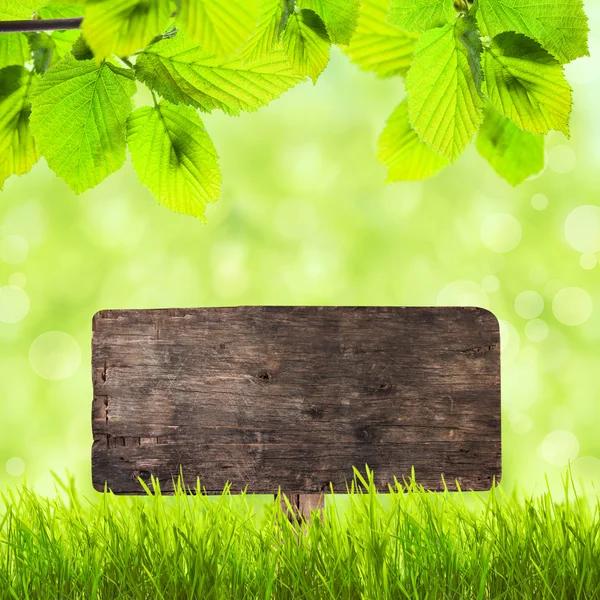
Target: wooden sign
[295,396]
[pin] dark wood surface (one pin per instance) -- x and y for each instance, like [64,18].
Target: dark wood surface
[294,396]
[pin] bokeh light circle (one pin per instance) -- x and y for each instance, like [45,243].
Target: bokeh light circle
[561,159]
[521,424]
[501,232]
[18,280]
[582,229]
[559,447]
[536,330]
[539,202]
[462,292]
[572,306]
[15,466]
[55,355]
[490,284]
[13,249]
[529,304]
[510,342]
[588,261]
[14,304]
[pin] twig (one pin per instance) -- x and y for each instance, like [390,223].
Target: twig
[40,25]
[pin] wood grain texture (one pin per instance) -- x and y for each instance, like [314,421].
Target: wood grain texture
[295,396]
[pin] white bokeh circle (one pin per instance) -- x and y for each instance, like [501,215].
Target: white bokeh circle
[559,447]
[561,159]
[539,201]
[510,342]
[572,306]
[536,330]
[501,232]
[462,292]
[588,261]
[529,304]
[582,229]
[490,284]
[13,249]
[14,304]
[15,466]
[55,355]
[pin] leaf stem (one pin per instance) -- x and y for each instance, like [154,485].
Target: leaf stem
[126,61]
[32,25]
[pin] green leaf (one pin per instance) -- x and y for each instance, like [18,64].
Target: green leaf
[340,17]
[403,153]
[43,50]
[445,105]
[122,27]
[14,49]
[219,26]
[265,38]
[184,73]
[560,26]
[378,46]
[11,10]
[306,43]
[174,157]
[79,111]
[513,153]
[18,152]
[421,15]
[63,40]
[527,85]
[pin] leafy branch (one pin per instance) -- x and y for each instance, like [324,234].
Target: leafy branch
[491,68]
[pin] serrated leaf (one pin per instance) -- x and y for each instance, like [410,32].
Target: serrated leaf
[306,43]
[560,26]
[14,49]
[122,27]
[43,51]
[174,157]
[340,17]
[18,152]
[403,153]
[63,39]
[79,112]
[19,9]
[527,85]
[445,105]
[219,26]
[265,38]
[378,46]
[513,153]
[184,73]
[421,15]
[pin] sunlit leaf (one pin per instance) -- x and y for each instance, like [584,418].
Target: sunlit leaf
[378,46]
[184,73]
[403,153]
[174,157]
[306,43]
[79,111]
[513,153]
[18,152]
[445,105]
[527,85]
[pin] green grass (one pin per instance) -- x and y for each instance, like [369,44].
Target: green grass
[408,544]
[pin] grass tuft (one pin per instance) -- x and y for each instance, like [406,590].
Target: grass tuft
[409,544]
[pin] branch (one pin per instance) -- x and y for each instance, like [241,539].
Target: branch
[39,25]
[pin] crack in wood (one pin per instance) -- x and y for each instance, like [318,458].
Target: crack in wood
[478,350]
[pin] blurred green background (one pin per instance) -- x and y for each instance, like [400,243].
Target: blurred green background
[306,218]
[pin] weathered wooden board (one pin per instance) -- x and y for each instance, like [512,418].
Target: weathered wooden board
[294,396]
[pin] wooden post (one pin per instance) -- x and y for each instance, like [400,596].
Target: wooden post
[302,504]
